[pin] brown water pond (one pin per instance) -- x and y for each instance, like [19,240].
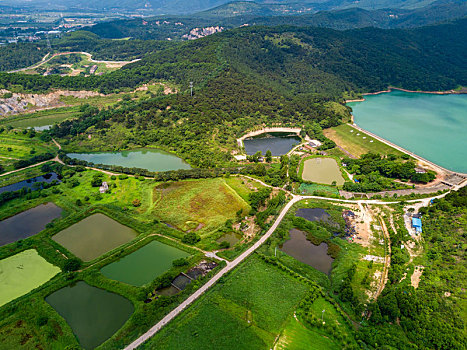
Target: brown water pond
[303,250]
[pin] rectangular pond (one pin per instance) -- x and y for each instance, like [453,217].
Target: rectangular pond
[93,314]
[429,125]
[278,145]
[93,236]
[144,265]
[323,171]
[33,183]
[303,250]
[28,223]
[23,272]
[146,158]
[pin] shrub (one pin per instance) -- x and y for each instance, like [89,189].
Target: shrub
[72,264]
[180,262]
[224,245]
[191,238]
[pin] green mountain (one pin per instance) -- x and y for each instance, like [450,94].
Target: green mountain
[297,60]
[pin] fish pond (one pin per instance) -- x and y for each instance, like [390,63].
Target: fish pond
[93,314]
[298,247]
[322,170]
[93,236]
[314,214]
[33,183]
[28,223]
[144,265]
[23,272]
[145,158]
[429,125]
[277,143]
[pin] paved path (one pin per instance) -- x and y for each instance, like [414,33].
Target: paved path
[212,281]
[46,59]
[231,265]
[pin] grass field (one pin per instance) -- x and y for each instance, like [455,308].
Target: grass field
[15,146]
[313,189]
[23,272]
[41,118]
[201,205]
[356,142]
[247,311]
[296,336]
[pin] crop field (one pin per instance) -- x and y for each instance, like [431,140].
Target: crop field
[200,205]
[246,311]
[356,142]
[23,272]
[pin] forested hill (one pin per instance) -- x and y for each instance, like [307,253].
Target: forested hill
[236,14]
[291,61]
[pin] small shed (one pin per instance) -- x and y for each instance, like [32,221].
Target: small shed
[314,143]
[417,224]
[104,188]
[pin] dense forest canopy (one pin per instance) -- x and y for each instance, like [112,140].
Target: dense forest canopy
[294,60]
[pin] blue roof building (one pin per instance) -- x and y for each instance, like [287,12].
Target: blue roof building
[417,224]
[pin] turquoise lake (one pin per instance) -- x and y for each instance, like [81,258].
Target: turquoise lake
[431,126]
[145,158]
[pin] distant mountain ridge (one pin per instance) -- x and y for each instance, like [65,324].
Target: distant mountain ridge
[191,6]
[244,13]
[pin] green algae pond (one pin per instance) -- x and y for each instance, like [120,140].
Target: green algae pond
[145,158]
[323,171]
[93,314]
[144,265]
[28,223]
[429,125]
[23,272]
[94,236]
[231,238]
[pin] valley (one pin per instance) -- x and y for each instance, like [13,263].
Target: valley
[253,188]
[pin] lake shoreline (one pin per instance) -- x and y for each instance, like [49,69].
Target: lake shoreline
[391,88]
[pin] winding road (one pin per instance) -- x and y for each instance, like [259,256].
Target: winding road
[231,265]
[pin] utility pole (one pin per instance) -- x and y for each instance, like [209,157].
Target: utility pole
[322,316]
[275,251]
[191,87]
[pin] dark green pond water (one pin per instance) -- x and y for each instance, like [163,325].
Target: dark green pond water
[431,126]
[303,250]
[144,265]
[93,314]
[150,159]
[28,223]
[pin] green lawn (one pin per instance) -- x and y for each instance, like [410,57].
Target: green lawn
[247,311]
[353,141]
[201,205]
